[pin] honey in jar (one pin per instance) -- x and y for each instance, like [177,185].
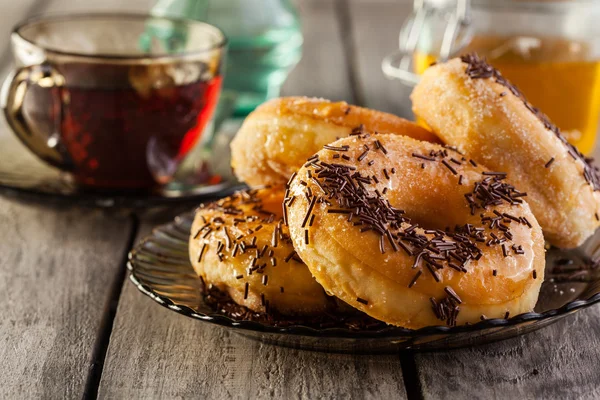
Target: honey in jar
[558,76]
[549,49]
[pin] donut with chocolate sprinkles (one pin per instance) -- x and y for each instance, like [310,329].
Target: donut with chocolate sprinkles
[278,137]
[471,106]
[241,246]
[423,251]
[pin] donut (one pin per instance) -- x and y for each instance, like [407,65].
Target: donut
[414,234]
[240,245]
[472,107]
[276,139]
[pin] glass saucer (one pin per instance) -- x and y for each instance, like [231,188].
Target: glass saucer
[160,269]
[204,174]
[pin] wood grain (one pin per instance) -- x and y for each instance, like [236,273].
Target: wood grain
[57,265]
[558,362]
[155,353]
[322,72]
[374,28]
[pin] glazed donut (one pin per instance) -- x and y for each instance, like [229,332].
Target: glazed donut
[240,245]
[413,233]
[276,139]
[472,107]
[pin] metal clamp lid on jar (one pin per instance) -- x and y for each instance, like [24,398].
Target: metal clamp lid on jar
[397,65]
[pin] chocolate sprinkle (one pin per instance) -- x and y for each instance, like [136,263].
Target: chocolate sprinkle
[446,309]
[345,190]
[313,201]
[549,163]
[504,250]
[452,294]
[363,301]
[422,157]
[343,148]
[492,191]
[414,279]
[450,167]
[290,256]
[353,320]
[380,147]
[434,273]
[201,252]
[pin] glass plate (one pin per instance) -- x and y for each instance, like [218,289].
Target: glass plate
[22,174]
[160,268]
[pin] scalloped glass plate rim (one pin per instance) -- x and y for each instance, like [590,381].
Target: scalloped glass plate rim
[389,332]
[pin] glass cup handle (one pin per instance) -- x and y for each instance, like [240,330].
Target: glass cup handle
[48,147]
[397,65]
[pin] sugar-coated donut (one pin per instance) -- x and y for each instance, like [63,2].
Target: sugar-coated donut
[240,245]
[413,233]
[276,139]
[472,107]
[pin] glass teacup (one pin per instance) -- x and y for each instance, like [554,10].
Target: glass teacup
[100,97]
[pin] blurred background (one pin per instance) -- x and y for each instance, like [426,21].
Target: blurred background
[333,25]
[334,49]
[321,48]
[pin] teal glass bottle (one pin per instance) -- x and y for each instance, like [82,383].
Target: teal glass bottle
[265,43]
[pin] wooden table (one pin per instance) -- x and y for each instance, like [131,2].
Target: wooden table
[72,325]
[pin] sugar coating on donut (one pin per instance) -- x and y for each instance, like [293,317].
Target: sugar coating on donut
[478,68]
[415,234]
[471,106]
[281,134]
[241,246]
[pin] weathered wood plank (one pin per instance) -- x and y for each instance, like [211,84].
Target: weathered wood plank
[57,266]
[374,28]
[558,362]
[155,353]
[322,71]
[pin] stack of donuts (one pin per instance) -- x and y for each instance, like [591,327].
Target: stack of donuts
[414,227]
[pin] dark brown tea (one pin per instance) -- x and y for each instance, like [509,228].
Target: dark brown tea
[132,130]
[117,100]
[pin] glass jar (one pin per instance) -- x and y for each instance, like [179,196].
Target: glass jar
[265,43]
[548,48]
